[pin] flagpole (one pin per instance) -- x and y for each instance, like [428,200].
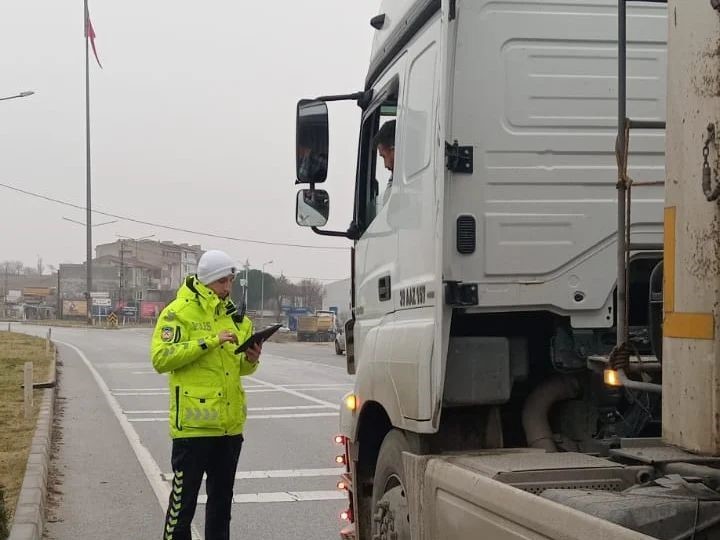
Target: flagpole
[88,176]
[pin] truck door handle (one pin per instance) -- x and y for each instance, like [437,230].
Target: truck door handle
[384,290]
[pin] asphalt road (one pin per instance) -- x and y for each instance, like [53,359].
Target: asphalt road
[112,462]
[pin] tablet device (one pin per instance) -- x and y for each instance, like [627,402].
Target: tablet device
[258,337]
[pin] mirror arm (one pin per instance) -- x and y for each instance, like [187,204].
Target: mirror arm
[362,98]
[331,233]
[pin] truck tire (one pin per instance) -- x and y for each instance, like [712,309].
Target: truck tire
[390,512]
[338,350]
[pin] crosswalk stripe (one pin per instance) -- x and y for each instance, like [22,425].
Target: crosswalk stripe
[250,416]
[167,392]
[283,497]
[283,408]
[278,473]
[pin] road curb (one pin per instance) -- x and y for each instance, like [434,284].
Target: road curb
[29,520]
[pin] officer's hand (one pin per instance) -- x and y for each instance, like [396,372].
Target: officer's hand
[253,353]
[226,335]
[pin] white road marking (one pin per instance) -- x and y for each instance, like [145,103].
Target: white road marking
[250,416]
[278,473]
[291,415]
[148,464]
[149,372]
[140,389]
[303,386]
[282,497]
[291,407]
[293,393]
[166,392]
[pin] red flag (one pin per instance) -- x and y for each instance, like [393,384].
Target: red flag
[90,33]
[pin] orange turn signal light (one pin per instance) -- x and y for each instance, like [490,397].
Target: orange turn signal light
[611,377]
[351,402]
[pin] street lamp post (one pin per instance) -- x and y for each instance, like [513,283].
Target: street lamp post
[262,288]
[247,282]
[26,93]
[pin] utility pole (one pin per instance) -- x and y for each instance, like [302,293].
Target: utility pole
[88,175]
[262,289]
[59,296]
[5,291]
[122,274]
[247,283]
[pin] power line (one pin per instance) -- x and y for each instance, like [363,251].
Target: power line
[168,227]
[315,278]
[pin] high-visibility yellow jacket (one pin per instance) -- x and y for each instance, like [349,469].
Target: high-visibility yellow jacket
[206,393]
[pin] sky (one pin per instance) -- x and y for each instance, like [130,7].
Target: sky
[192,124]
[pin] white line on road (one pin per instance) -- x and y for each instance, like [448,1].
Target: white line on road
[290,415]
[282,497]
[250,416]
[293,392]
[290,407]
[278,473]
[166,392]
[140,389]
[148,464]
[246,386]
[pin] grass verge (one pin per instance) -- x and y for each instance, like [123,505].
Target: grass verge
[15,431]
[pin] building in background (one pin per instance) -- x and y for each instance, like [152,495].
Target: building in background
[337,298]
[28,296]
[163,263]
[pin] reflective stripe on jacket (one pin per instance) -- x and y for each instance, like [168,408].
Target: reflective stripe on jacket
[206,393]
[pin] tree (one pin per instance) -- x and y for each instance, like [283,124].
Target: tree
[283,289]
[12,267]
[312,292]
[255,285]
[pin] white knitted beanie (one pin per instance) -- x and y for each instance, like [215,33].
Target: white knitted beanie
[214,265]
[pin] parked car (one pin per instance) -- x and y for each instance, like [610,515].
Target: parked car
[340,341]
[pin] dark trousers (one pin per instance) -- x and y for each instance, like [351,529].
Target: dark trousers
[191,458]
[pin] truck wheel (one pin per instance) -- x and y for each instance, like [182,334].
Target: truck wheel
[338,350]
[390,513]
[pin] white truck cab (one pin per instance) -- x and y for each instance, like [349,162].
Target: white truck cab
[483,277]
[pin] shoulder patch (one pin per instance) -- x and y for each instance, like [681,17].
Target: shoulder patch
[167,334]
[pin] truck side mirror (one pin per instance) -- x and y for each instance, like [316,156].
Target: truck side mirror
[312,207]
[311,141]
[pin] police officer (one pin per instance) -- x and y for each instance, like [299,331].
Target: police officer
[195,341]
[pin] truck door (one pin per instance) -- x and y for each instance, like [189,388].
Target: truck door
[376,249]
[415,208]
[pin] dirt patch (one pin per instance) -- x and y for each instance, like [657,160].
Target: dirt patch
[15,431]
[705,75]
[702,262]
[55,476]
